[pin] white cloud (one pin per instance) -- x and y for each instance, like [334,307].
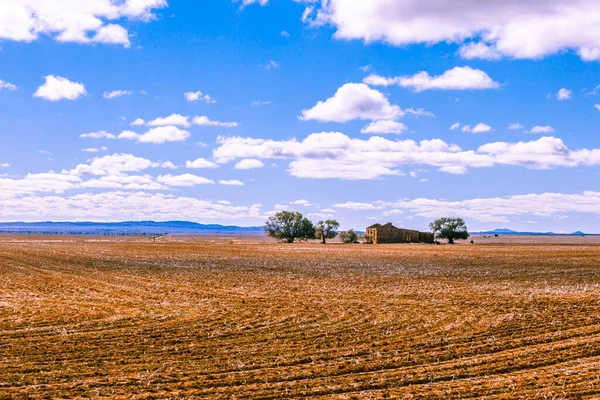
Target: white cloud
[201,163]
[542,129]
[115,94]
[205,121]
[7,85]
[484,29]
[173,119]
[384,126]
[94,149]
[199,96]
[457,78]
[301,202]
[138,122]
[158,135]
[497,209]
[335,155]
[4,165]
[232,182]
[285,34]
[271,65]
[249,163]
[455,126]
[261,103]
[564,94]
[479,50]
[86,21]
[358,206]
[57,88]
[183,180]
[248,2]
[117,164]
[353,101]
[479,128]
[514,127]
[597,107]
[125,206]
[365,68]
[98,135]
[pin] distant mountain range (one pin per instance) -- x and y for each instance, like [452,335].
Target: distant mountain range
[126,228]
[511,232]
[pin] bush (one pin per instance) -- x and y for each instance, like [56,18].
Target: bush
[349,236]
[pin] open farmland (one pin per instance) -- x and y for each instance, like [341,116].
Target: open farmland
[230,319]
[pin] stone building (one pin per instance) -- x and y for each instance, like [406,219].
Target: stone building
[388,233]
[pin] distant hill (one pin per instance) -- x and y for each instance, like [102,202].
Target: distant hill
[126,228]
[504,231]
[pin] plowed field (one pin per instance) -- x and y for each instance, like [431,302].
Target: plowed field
[127,319]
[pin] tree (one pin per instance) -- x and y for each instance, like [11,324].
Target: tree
[450,228]
[289,226]
[349,236]
[326,229]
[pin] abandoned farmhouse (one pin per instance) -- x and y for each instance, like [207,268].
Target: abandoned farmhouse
[388,233]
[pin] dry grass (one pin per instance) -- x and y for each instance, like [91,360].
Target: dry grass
[233,320]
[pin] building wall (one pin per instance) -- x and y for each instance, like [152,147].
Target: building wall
[391,234]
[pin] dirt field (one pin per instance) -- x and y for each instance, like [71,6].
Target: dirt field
[229,319]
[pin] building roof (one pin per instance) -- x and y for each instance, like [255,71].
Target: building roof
[374,226]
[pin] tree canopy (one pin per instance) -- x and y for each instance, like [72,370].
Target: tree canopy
[326,229]
[289,226]
[450,228]
[349,236]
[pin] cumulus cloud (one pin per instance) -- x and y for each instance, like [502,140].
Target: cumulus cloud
[7,85]
[94,149]
[232,182]
[564,94]
[183,180]
[483,29]
[514,127]
[455,126]
[205,121]
[119,205]
[138,122]
[597,107]
[496,209]
[249,163]
[116,93]
[173,119]
[89,21]
[201,163]
[116,164]
[384,126]
[98,135]
[335,155]
[458,78]
[199,96]
[4,165]
[353,101]
[479,128]
[542,129]
[158,135]
[58,88]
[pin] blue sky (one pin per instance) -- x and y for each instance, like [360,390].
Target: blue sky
[382,111]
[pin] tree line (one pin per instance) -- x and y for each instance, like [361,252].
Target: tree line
[289,226]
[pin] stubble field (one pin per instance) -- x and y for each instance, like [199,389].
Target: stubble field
[231,319]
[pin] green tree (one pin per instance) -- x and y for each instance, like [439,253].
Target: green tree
[349,236]
[326,229]
[289,226]
[450,228]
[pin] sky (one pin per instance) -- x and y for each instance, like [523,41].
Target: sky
[228,111]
